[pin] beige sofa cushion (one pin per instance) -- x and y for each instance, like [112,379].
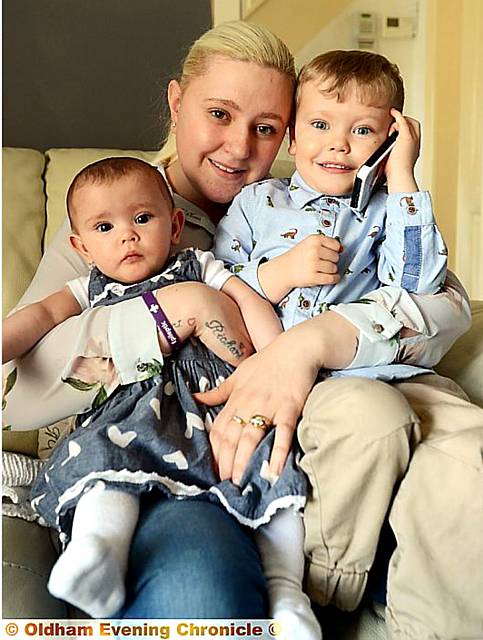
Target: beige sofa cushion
[62,166]
[464,361]
[23,203]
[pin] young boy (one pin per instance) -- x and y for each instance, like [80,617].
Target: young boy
[279,233]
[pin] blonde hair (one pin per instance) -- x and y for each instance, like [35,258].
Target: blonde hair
[235,40]
[375,79]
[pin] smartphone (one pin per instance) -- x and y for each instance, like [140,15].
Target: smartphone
[371,174]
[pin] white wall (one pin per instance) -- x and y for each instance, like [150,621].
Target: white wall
[409,54]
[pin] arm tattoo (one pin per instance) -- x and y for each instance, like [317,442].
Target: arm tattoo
[218,328]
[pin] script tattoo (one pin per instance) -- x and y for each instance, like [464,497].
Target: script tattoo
[218,328]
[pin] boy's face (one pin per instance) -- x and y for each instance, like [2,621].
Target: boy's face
[333,139]
[125,227]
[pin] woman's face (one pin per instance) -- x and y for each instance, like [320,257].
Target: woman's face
[229,125]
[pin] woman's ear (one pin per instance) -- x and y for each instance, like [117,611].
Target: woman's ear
[292,146]
[77,244]
[177,224]
[174,100]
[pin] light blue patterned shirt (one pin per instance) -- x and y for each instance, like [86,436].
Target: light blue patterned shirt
[395,241]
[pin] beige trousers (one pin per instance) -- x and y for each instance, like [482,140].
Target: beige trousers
[364,441]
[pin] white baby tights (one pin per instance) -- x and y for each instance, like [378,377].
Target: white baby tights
[90,573]
[281,546]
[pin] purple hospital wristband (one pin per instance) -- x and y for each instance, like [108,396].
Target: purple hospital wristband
[162,322]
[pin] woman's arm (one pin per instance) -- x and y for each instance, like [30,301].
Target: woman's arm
[59,264]
[277,381]
[24,328]
[274,383]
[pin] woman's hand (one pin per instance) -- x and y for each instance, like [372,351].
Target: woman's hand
[273,383]
[194,308]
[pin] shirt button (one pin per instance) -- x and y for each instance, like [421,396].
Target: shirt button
[326,223]
[378,328]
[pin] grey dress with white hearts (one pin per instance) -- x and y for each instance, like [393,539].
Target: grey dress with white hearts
[152,435]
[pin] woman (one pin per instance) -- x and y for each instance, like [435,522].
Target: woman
[229,113]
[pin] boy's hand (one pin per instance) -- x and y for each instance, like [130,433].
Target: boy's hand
[312,262]
[401,160]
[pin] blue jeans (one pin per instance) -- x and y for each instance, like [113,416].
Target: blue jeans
[191,559]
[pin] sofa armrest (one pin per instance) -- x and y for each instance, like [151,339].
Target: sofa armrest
[464,361]
[23,223]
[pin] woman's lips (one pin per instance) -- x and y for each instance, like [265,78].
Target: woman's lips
[226,170]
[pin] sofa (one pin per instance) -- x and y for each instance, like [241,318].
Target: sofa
[34,187]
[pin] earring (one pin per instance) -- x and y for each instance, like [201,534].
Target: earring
[173,125]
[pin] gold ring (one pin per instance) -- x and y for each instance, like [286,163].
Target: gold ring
[239,420]
[260,422]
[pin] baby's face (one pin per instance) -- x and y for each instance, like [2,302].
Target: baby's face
[333,139]
[125,227]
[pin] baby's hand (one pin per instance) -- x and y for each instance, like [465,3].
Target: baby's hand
[401,160]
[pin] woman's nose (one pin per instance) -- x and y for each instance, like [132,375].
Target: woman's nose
[237,143]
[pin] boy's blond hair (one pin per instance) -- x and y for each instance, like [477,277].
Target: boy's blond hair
[239,41]
[375,80]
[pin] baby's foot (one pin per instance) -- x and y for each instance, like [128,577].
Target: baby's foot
[291,607]
[88,576]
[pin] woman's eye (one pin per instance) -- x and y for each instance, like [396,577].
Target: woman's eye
[362,131]
[219,114]
[143,218]
[320,124]
[265,129]
[104,227]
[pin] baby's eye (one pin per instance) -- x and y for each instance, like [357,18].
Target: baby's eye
[219,114]
[320,124]
[143,218]
[362,131]
[265,129]
[104,227]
